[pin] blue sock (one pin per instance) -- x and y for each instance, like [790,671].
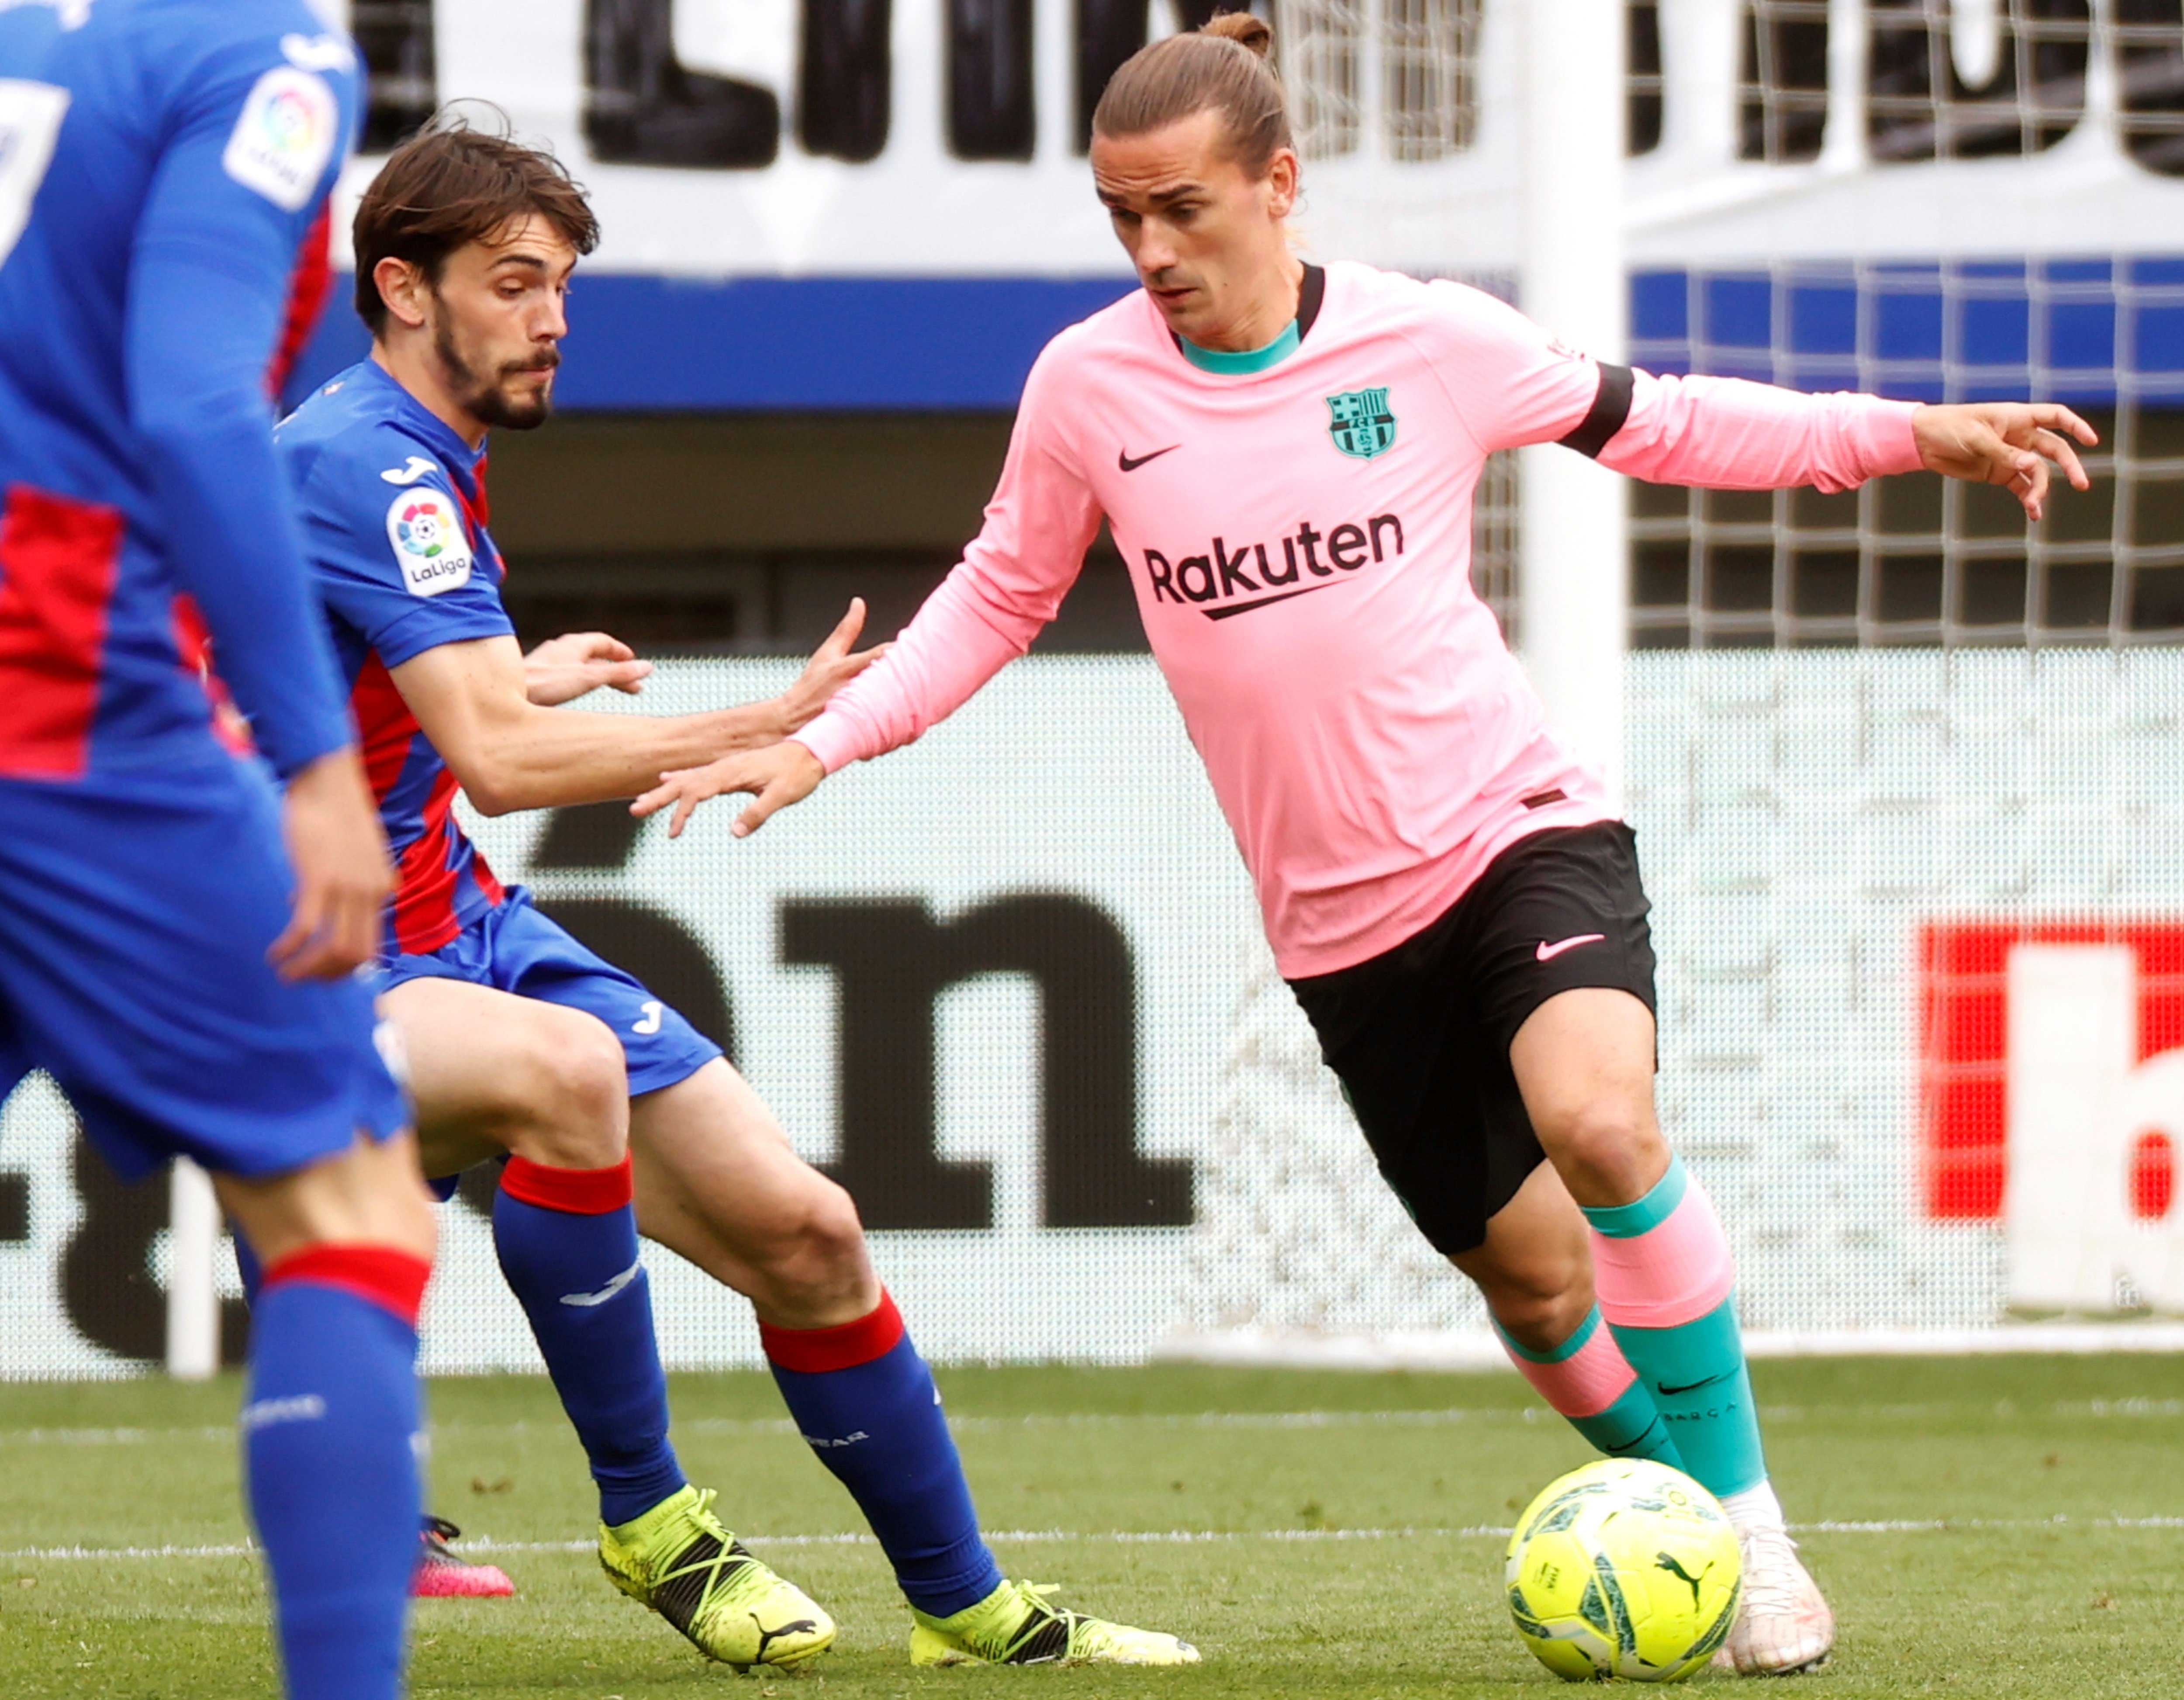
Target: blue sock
[567,1242]
[329,1427]
[866,1401]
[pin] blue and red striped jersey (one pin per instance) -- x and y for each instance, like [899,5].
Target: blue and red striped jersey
[161,162]
[394,520]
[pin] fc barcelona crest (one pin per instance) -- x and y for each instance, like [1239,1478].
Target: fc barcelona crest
[1363,426]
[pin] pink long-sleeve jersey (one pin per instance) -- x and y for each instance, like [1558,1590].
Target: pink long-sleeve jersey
[1299,539]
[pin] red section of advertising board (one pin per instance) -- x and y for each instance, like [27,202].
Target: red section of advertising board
[1964,1044]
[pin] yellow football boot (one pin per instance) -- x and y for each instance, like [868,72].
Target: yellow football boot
[678,1559]
[1014,1625]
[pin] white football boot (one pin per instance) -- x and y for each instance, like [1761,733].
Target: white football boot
[1784,1626]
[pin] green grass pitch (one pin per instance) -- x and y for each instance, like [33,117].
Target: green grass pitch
[1985,1527]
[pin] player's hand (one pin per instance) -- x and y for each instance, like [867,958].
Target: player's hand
[562,669]
[778,775]
[343,874]
[2005,443]
[831,666]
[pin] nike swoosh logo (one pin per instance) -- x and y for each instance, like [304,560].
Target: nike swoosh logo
[1122,457]
[1547,953]
[417,468]
[1668,1392]
[586,1300]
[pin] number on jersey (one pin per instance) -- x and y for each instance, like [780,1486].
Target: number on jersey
[30,114]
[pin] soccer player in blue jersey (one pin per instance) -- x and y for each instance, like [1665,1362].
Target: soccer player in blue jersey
[522,1042]
[188,985]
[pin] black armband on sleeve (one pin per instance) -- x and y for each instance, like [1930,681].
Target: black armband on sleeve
[1611,406]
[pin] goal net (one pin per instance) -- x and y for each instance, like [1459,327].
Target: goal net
[1905,771]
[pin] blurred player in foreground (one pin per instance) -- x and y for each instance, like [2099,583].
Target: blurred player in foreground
[1287,456]
[188,986]
[520,1041]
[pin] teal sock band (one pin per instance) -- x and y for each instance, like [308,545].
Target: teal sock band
[1695,1376]
[1631,1428]
[1629,1221]
[1570,1348]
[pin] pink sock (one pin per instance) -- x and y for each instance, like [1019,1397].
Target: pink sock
[1667,1283]
[1589,1381]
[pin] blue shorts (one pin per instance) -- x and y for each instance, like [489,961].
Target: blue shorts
[135,914]
[513,948]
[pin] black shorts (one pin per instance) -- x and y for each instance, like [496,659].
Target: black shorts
[1419,1035]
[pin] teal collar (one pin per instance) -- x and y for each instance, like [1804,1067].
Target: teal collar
[1251,360]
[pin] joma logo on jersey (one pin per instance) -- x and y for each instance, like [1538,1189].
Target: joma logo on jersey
[1363,426]
[1240,579]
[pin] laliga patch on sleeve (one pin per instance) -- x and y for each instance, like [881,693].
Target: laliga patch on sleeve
[429,543]
[285,137]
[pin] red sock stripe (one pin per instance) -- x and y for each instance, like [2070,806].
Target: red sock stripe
[575,1191]
[393,1281]
[815,1351]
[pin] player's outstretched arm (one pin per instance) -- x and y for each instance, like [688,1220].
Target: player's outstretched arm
[2012,443]
[776,777]
[1009,583]
[1729,434]
[474,700]
[575,664]
[783,773]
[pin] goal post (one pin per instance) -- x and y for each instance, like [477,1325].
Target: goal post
[193,1236]
[1571,281]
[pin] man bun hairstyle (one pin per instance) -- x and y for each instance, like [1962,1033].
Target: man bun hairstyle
[450,185]
[1243,28]
[1227,67]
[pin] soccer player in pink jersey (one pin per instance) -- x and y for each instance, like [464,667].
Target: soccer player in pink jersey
[1286,455]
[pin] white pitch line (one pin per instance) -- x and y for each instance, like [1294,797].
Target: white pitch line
[1203,1419]
[782,1425]
[1162,1537]
[111,1437]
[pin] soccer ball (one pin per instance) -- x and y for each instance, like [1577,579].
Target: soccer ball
[1624,1569]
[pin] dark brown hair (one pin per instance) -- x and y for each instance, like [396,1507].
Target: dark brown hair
[451,184]
[1225,68]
